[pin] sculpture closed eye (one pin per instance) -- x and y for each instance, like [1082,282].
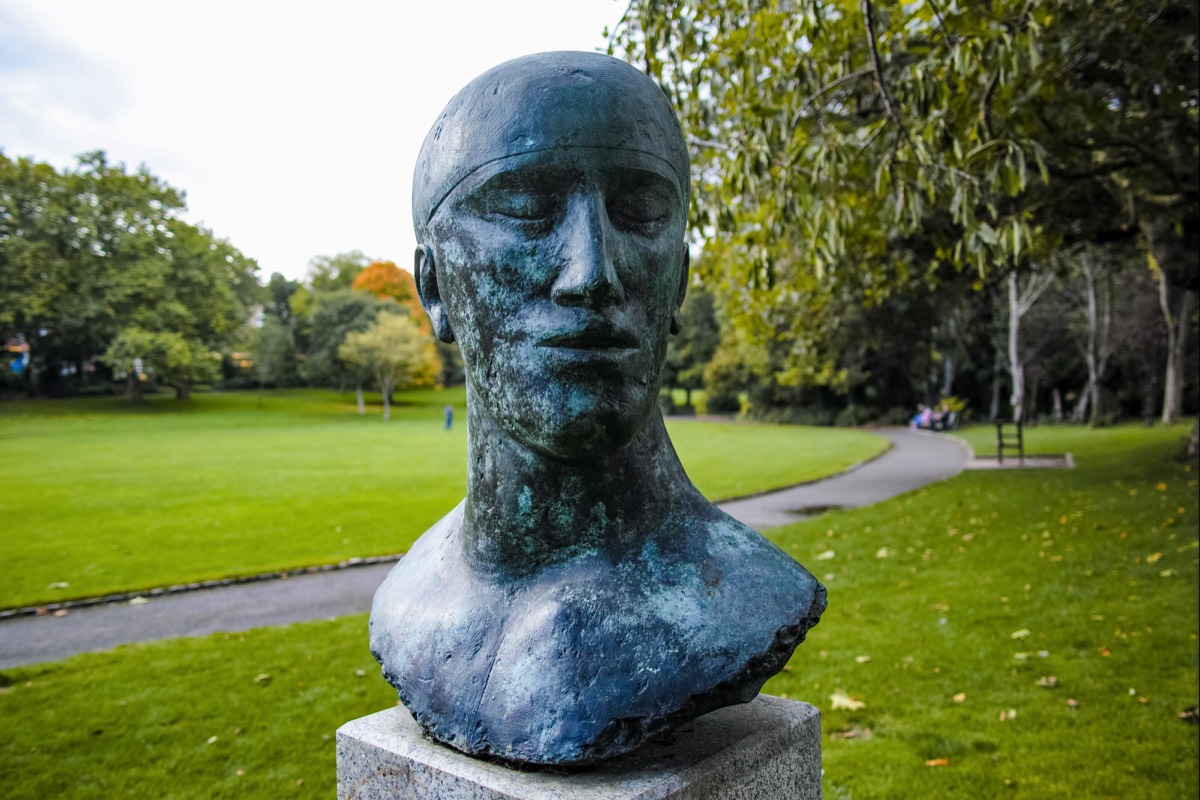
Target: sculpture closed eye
[523,201]
[639,209]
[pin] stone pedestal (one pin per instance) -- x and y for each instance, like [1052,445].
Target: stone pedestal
[770,748]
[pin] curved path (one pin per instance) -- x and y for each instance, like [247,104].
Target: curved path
[914,460]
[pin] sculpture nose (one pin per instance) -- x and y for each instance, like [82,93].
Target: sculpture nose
[588,277]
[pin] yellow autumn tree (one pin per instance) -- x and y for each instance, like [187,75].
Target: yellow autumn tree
[386,280]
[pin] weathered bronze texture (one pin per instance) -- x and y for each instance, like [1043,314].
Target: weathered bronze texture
[584,596]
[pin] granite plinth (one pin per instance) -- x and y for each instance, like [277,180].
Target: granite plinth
[770,748]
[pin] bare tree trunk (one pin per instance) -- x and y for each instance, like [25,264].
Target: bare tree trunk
[1178,326]
[358,396]
[183,390]
[1058,407]
[133,388]
[386,387]
[1097,346]
[1020,300]
[1015,365]
[947,375]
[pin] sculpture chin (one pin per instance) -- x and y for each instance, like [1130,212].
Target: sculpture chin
[567,404]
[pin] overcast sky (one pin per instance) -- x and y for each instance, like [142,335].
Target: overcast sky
[292,125]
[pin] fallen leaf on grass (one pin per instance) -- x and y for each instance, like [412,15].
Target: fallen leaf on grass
[861,659]
[58,585]
[262,678]
[883,552]
[938,762]
[1153,558]
[1189,715]
[1048,682]
[1072,703]
[960,697]
[1104,651]
[212,740]
[1005,716]
[855,732]
[1021,634]
[825,556]
[840,700]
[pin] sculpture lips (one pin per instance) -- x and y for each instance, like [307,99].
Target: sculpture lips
[597,338]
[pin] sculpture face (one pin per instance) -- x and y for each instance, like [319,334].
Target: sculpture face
[555,189]
[560,271]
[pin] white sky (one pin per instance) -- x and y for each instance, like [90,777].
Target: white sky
[292,125]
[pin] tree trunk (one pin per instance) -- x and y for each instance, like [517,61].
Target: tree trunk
[183,390]
[133,388]
[947,375]
[1179,323]
[1020,300]
[1058,407]
[1080,413]
[358,396]
[387,400]
[1015,365]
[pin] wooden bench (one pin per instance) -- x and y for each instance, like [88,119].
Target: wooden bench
[1009,437]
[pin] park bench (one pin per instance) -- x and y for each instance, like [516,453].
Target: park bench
[1009,436]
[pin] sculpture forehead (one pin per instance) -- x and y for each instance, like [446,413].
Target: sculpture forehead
[543,102]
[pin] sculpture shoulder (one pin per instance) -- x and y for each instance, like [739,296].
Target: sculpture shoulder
[581,660]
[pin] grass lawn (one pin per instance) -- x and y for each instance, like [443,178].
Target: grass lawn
[97,496]
[1012,634]
[951,608]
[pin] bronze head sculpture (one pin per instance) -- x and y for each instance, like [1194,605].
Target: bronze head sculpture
[584,596]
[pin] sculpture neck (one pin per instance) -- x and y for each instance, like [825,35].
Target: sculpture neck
[526,510]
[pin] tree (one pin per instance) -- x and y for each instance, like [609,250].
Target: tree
[843,150]
[396,353]
[95,260]
[385,280]
[274,352]
[136,353]
[320,333]
[332,273]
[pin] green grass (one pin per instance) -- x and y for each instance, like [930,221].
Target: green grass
[223,716]
[1070,556]
[950,604]
[101,497]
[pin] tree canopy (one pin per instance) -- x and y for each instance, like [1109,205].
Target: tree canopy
[848,153]
[96,260]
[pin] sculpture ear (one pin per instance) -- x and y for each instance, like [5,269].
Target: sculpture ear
[684,274]
[431,297]
[676,317]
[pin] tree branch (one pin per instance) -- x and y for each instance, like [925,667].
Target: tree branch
[858,73]
[888,103]
[941,21]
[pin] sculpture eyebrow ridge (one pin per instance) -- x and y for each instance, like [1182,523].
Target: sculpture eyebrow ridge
[680,180]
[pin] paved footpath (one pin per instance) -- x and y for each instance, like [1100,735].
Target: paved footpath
[914,460]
